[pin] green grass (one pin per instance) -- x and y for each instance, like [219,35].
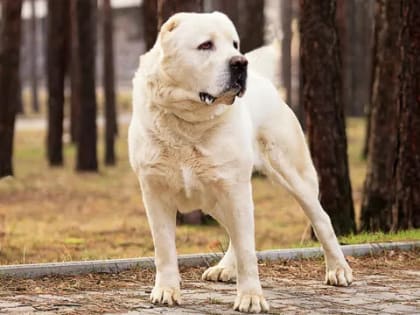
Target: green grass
[361,238]
[377,237]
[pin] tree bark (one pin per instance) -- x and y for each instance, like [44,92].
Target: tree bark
[74,73]
[109,83]
[345,27]
[378,194]
[376,30]
[286,53]
[166,8]
[150,22]
[251,24]
[365,149]
[57,39]
[33,56]
[322,100]
[406,212]
[355,30]
[86,144]
[362,58]
[10,34]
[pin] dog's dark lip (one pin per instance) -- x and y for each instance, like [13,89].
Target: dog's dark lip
[241,92]
[241,89]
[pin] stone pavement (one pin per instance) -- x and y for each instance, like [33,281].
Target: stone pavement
[397,292]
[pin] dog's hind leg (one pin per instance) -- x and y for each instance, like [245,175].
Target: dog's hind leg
[294,170]
[225,270]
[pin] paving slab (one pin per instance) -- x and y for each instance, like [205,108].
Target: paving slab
[365,296]
[387,283]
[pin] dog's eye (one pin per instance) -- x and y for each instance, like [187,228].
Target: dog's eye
[235,44]
[206,45]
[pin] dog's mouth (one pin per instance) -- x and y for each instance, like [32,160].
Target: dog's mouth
[236,89]
[207,98]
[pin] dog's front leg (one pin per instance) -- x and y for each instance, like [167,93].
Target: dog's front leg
[162,221]
[238,219]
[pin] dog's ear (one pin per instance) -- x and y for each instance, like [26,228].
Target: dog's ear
[170,24]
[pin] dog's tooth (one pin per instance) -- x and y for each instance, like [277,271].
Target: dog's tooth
[209,99]
[206,98]
[202,97]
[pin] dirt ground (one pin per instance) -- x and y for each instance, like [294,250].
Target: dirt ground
[388,283]
[55,214]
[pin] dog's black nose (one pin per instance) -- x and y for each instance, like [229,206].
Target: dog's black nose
[238,63]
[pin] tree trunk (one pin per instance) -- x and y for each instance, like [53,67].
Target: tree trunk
[166,8]
[322,100]
[251,24]
[368,118]
[406,212]
[376,29]
[10,34]
[362,58]
[286,53]
[109,83]
[355,30]
[86,144]
[57,40]
[345,18]
[378,195]
[150,22]
[33,56]
[74,73]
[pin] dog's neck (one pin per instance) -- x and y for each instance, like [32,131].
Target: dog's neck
[185,120]
[182,110]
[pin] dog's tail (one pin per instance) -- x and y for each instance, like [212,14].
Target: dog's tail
[265,61]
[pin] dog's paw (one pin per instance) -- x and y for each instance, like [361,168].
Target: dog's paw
[250,303]
[340,274]
[217,273]
[165,295]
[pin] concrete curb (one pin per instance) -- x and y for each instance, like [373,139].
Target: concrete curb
[117,265]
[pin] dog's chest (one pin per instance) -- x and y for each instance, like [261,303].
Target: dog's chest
[185,172]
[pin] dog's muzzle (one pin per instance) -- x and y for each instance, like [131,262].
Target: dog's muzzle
[237,83]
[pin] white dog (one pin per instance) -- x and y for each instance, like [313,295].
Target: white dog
[194,141]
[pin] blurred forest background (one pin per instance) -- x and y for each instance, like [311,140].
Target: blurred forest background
[350,70]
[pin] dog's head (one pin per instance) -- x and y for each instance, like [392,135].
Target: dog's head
[200,53]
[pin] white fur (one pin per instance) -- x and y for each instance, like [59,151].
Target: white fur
[189,155]
[266,61]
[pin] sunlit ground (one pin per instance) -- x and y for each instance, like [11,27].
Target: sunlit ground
[56,214]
